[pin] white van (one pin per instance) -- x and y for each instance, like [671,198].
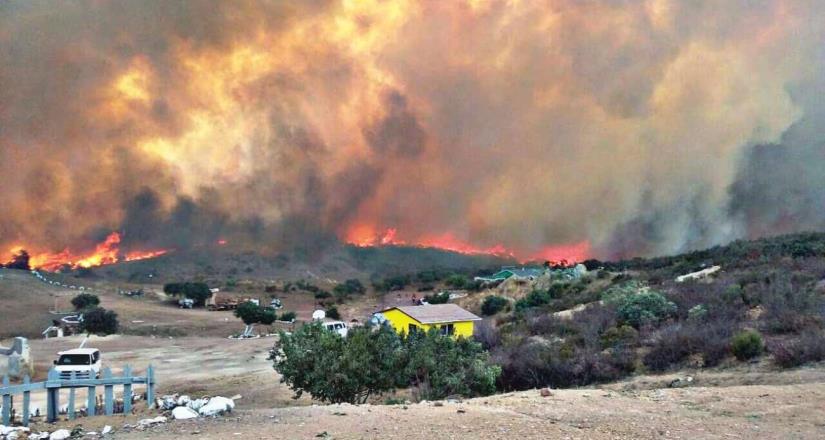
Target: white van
[337,327]
[85,362]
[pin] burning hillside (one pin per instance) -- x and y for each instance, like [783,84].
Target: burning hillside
[551,130]
[364,236]
[106,252]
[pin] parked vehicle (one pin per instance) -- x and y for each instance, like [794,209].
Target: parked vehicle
[84,362]
[337,327]
[219,301]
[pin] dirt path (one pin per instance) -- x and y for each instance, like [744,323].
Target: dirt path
[771,412]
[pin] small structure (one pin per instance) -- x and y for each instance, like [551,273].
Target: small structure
[16,362]
[506,272]
[450,319]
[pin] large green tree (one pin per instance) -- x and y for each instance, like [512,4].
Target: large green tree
[335,369]
[99,321]
[199,292]
[368,361]
[439,366]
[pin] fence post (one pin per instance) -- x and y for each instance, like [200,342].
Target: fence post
[91,400]
[127,390]
[108,393]
[26,401]
[150,385]
[70,406]
[52,395]
[6,403]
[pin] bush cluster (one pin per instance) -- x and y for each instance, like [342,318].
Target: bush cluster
[199,292]
[809,347]
[438,298]
[644,308]
[85,301]
[349,287]
[99,321]
[368,362]
[747,345]
[251,313]
[493,304]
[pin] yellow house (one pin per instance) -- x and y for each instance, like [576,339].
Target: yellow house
[450,319]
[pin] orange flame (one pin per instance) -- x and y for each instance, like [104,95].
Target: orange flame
[135,256]
[106,252]
[368,236]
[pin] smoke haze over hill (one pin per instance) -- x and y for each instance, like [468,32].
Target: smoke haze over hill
[614,128]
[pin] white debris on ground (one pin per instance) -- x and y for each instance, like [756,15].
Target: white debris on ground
[60,434]
[145,423]
[23,433]
[184,407]
[177,407]
[183,413]
[13,432]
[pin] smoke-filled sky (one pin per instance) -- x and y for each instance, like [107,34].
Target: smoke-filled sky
[610,127]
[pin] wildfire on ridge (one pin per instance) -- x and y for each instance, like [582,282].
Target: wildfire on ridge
[106,252]
[368,236]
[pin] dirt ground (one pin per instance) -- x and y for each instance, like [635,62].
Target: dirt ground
[195,366]
[758,411]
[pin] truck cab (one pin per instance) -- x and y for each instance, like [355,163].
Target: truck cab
[84,362]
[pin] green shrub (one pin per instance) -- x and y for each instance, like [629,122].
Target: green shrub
[332,312]
[99,321]
[195,291]
[438,298]
[249,312]
[85,301]
[349,287]
[556,290]
[617,294]
[698,312]
[493,304]
[645,308]
[457,281]
[439,366]
[369,362]
[535,298]
[288,316]
[747,345]
[622,335]
[335,369]
[733,294]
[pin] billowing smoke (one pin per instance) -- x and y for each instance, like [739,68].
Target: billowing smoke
[613,128]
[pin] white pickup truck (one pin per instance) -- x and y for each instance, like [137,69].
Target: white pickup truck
[85,362]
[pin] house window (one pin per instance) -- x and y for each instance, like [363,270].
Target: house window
[413,328]
[447,329]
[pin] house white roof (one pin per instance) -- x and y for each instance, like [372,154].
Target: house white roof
[436,313]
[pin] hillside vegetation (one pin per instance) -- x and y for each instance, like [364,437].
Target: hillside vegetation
[629,317]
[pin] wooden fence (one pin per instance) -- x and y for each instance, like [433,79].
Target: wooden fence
[55,382]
